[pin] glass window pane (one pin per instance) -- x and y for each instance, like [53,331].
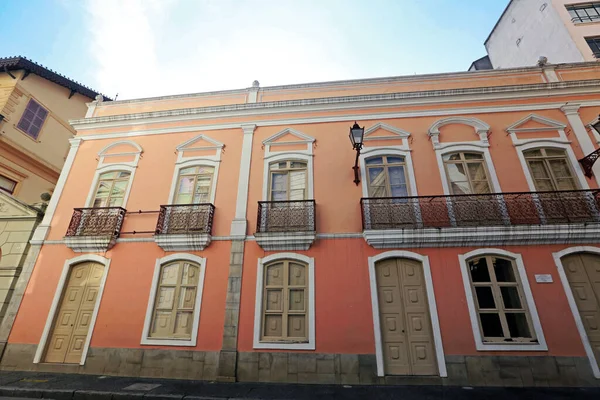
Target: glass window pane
[297,180]
[517,325]
[555,152]
[490,325]
[477,171]
[374,160]
[479,270]
[100,202]
[481,187]
[107,175]
[566,184]
[377,176]
[485,297]
[279,196]
[377,191]
[533,153]
[298,164]
[7,184]
[450,157]
[397,175]
[510,297]
[123,174]
[399,191]
[538,170]
[504,270]
[187,171]
[473,156]
[395,160]
[103,189]
[460,188]
[115,202]
[279,182]
[118,188]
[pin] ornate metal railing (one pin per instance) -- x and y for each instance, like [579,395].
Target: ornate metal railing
[494,209]
[99,221]
[286,216]
[185,219]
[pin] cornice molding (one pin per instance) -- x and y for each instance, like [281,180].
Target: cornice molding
[341,103]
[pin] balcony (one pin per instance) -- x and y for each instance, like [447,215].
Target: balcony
[483,219]
[286,225]
[94,229]
[184,227]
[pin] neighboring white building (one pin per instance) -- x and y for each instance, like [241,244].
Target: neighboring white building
[562,30]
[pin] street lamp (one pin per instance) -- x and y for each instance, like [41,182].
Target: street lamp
[356,137]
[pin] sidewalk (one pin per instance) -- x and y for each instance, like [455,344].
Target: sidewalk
[93,387]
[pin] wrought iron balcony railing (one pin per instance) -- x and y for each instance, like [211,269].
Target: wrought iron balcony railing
[493,209]
[99,221]
[286,216]
[185,219]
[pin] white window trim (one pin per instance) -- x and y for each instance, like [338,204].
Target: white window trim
[435,323]
[595,133]
[530,144]
[111,168]
[102,154]
[257,344]
[285,156]
[196,319]
[456,147]
[56,302]
[196,162]
[481,129]
[573,304]
[535,320]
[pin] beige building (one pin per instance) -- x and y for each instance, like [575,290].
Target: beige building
[35,105]
[563,31]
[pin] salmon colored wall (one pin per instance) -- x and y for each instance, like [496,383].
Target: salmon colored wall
[125,298]
[344,322]
[153,176]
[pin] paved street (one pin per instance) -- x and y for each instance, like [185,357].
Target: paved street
[90,387]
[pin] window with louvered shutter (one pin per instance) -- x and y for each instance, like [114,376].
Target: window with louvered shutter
[32,119]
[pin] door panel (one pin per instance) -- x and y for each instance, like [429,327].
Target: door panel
[583,274]
[73,320]
[404,318]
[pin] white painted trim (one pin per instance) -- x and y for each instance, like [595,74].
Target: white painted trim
[551,125]
[402,151]
[102,154]
[525,145]
[287,156]
[310,345]
[585,142]
[302,137]
[111,168]
[195,162]
[56,300]
[535,320]
[183,147]
[480,127]
[147,321]
[324,119]
[469,147]
[239,223]
[397,133]
[573,304]
[435,323]
[41,231]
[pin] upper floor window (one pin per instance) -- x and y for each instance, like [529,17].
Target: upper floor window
[194,185]
[32,119]
[588,12]
[467,173]
[287,181]
[387,176]
[550,169]
[594,43]
[175,301]
[499,300]
[111,189]
[285,309]
[8,185]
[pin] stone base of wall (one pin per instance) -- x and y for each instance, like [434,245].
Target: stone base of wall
[283,367]
[179,364]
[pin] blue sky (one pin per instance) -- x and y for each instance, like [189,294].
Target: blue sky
[141,48]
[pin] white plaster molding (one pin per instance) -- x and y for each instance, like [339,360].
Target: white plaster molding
[481,128]
[529,144]
[278,241]
[90,244]
[573,304]
[136,152]
[201,262]
[587,146]
[396,133]
[58,295]
[310,262]
[482,236]
[594,131]
[183,242]
[550,125]
[239,223]
[188,146]
[535,320]
[435,323]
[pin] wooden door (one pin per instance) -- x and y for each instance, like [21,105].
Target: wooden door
[406,334]
[583,273]
[72,322]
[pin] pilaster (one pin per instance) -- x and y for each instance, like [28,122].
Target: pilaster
[571,111]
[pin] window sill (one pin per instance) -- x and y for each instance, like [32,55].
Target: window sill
[515,346]
[284,346]
[275,241]
[168,342]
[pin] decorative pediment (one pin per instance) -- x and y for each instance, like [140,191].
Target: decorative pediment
[382,131]
[199,147]
[288,136]
[11,207]
[121,152]
[481,129]
[535,123]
